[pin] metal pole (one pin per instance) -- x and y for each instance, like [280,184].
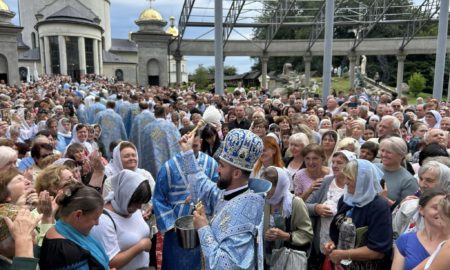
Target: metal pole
[328,49]
[438,84]
[218,43]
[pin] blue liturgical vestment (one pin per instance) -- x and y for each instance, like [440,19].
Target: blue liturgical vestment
[159,141]
[139,123]
[228,242]
[133,111]
[112,128]
[169,197]
[93,110]
[82,114]
[123,109]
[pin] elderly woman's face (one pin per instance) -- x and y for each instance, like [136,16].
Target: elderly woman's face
[338,164]
[430,120]
[389,157]
[351,185]
[296,148]
[428,179]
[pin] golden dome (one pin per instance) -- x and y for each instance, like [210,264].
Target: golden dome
[3,6]
[149,15]
[172,30]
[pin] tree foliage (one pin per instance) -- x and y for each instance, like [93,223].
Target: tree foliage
[386,65]
[227,70]
[417,83]
[201,77]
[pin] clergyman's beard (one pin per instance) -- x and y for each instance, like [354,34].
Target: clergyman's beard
[223,183]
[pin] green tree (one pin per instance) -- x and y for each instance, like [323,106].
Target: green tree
[200,77]
[384,64]
[417,83]
[227,70]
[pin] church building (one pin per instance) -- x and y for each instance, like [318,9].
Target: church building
[74,38]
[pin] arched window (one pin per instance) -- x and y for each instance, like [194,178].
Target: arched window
[119,75]
[23,73]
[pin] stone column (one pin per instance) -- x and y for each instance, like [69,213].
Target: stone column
[96,56]
[62,55]
[48,62]
[82,55]
[100,57]
[400,68]
[351,72]
[264,60]
[448,90]
[178,57]
[307,58]
[42,52]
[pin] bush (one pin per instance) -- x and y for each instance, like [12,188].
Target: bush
[417,83]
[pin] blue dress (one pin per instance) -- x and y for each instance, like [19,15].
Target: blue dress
[171,190]
[411,249]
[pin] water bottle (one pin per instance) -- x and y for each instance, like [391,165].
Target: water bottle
[347,238]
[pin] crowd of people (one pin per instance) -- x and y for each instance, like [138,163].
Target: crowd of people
[94,175]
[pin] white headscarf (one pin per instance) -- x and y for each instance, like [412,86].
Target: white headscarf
[75,139]
[124,185]
[367,184]
[116,165]
[282,192]
[61,129]
[438,118]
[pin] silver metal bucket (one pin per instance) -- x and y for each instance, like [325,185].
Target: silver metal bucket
[186,233]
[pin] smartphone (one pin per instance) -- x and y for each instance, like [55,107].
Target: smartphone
[382,183]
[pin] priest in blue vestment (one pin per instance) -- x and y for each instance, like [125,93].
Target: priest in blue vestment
[170,202]
[133,111]
[140,121]
[233,238]
[94,109]
[159,142]
[112,126]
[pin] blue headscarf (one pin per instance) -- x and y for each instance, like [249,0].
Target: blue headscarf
[86,242]
[367,184]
